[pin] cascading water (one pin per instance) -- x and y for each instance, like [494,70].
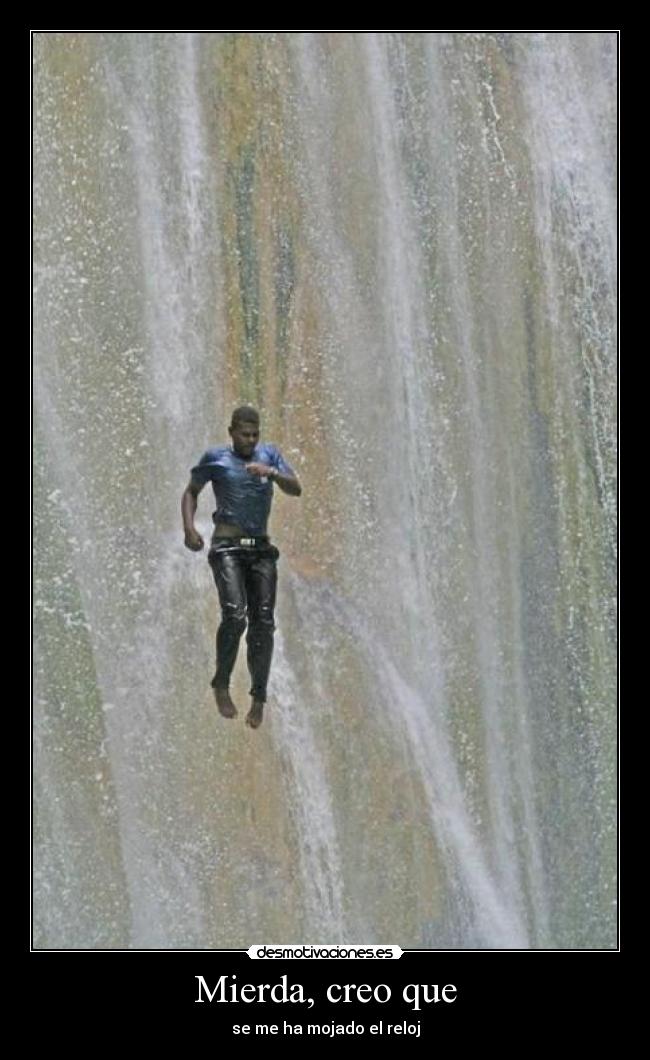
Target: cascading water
[402,248]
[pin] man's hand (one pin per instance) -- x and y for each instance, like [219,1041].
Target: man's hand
[287,483]
[193,540]
[261,470]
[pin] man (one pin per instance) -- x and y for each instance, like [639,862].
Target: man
[241,555]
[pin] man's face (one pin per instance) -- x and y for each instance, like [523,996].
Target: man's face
[245,437]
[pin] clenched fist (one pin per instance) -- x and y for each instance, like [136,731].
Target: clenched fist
[193,540]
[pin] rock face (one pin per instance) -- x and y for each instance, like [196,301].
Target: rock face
[402,249]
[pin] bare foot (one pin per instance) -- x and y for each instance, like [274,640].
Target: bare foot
[225,703]
[254,716]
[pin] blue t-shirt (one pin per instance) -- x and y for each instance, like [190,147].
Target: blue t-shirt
[242,499]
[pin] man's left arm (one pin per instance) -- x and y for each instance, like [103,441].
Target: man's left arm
[287,483]
[283,474]
[279,471]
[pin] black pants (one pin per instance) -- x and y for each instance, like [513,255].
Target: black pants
[246,579]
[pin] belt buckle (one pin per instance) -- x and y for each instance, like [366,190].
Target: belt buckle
[247,541]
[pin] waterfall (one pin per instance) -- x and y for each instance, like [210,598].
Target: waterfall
[401,247]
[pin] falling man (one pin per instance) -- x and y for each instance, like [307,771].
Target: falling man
[241,556]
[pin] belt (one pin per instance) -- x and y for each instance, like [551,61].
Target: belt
[238,542]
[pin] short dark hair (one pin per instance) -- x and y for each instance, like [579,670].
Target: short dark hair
[245,414]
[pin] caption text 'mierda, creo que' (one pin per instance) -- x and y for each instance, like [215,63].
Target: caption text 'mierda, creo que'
[414,994]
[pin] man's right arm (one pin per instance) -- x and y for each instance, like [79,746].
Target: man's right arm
[193,539]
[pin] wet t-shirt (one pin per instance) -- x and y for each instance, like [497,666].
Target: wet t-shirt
[242,499]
